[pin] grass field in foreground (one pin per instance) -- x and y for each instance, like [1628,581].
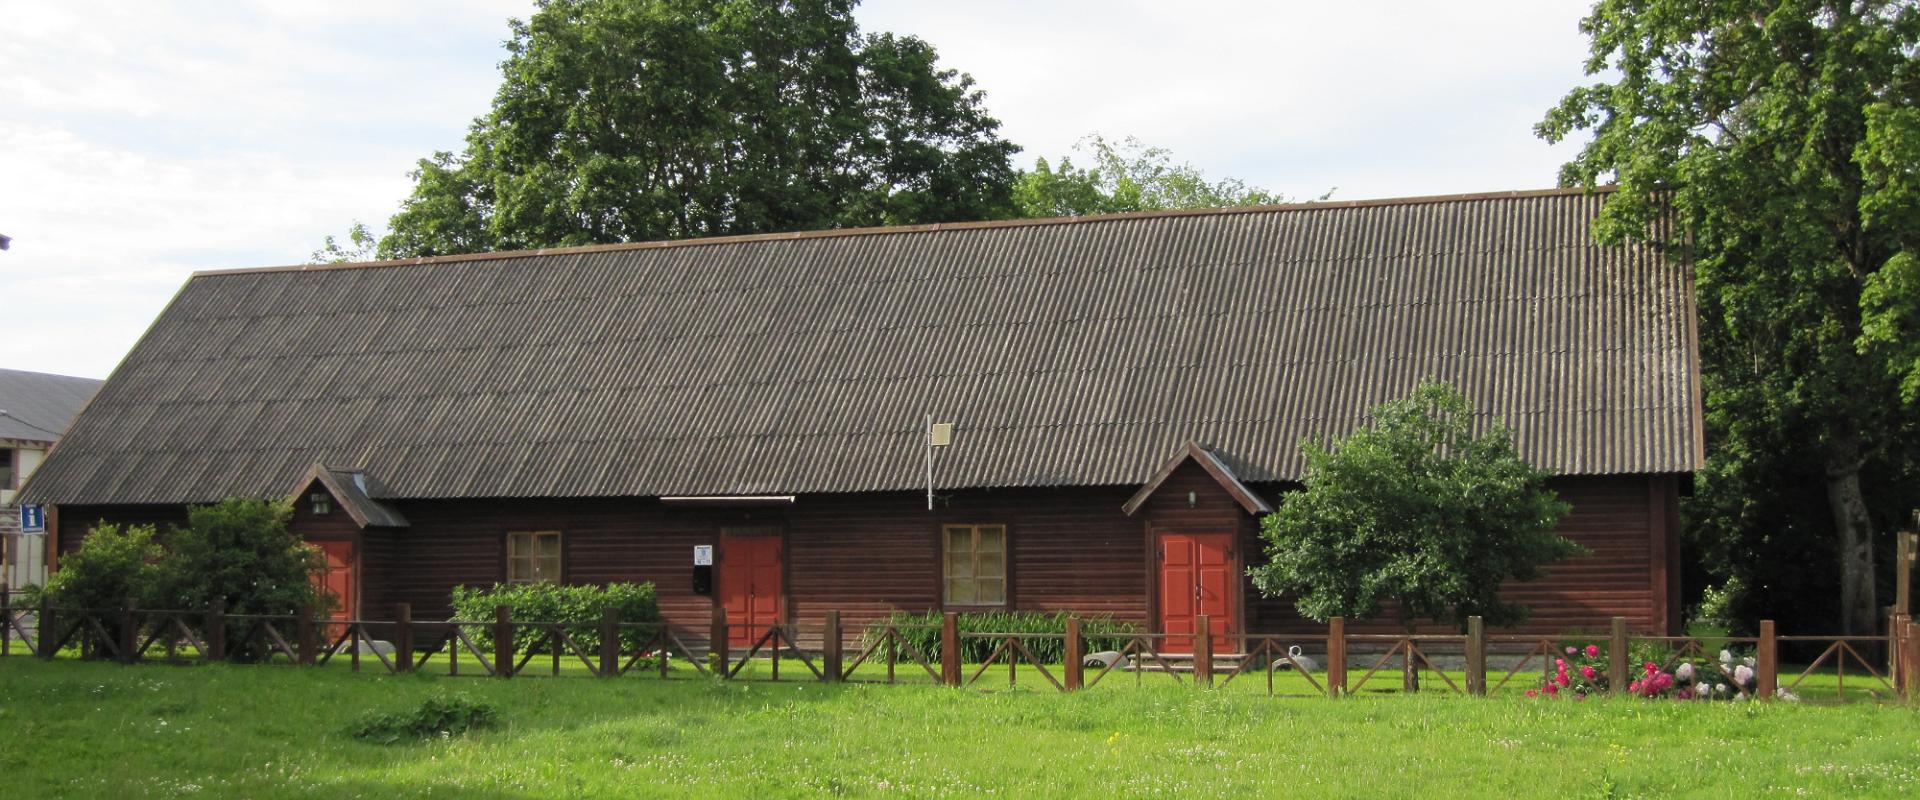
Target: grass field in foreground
[70,729]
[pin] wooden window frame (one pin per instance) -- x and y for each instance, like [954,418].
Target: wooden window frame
[533,538]
[946,563]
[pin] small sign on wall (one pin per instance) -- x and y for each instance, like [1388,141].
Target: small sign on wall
[703,555]
[33,519]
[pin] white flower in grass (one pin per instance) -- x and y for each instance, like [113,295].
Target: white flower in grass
[1726,656]
[1701,690]
[1685,673]
[1743,675]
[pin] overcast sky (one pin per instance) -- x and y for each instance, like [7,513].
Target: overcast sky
[142,141]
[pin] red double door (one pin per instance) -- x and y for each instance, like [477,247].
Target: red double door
[749,586]
[1197,576]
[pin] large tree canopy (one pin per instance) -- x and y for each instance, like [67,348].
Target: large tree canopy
[622,120]
[1779,137]
[1414,509]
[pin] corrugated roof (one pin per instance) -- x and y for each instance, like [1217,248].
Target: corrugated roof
[1071,352]
[36,407]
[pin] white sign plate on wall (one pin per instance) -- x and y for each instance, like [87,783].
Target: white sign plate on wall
[703,555]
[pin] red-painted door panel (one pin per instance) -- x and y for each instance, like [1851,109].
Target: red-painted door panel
[335,577]
[750,586]
[1196,577]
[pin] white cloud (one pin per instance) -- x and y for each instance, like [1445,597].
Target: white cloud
[141,141]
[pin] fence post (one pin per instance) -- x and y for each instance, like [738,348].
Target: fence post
[129,633]
[610,643]
[1619,671]
[717,639]
[1913,661]
[950,649]
[1076,653]
[6,621]
[502,642]
[403,637]
[45,639]
[830,648]
[303,637]
[1476,656]
[1336,657]
[217,630]
[1202,651]
[1769,663]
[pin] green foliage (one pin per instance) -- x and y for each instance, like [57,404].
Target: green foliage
[239,551]
[433,717]
[1416,509]
[1780,140]
[1126,176]
[113,565]
[923,632]
[623,120]
[360,245]
[579,606]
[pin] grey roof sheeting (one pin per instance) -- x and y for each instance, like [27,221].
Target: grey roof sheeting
[36,406]
[1068,352]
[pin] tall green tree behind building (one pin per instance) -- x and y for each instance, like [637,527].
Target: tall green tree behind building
[631,120]
[1779,133]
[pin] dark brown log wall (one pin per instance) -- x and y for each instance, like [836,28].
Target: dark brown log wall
[866,555]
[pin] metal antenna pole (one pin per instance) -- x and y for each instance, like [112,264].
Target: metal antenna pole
[927,432]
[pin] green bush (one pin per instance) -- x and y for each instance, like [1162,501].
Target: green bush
[241,552]
[114,564]
[435,716]
[923,632]
[578,607]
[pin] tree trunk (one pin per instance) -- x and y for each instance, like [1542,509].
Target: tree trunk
[1858,614]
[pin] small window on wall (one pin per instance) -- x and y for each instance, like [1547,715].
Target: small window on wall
[976,565]
[6,468]
[533,557]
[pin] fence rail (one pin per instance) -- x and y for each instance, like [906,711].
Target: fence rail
[883,652]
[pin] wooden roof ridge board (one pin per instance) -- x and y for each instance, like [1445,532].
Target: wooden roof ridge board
[930,227]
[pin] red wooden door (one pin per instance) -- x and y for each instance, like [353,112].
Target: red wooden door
[335,578]
[1196,577]
[750,586]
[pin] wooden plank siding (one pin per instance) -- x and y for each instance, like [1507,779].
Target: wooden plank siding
[1071,549]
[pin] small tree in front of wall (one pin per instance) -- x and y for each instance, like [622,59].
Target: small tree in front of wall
[241,552]
[1415,509]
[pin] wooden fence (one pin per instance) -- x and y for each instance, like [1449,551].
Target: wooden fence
[504,647]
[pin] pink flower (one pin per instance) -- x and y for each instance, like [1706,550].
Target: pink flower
[1570,651]
[1552,689]
[1562,679]
[1593,651]
[1560,662]
[1588,673]
[1651,667]
[1533,693]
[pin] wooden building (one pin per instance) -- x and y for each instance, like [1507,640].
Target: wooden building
[1126,396]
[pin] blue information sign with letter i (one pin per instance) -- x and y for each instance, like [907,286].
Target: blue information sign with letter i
[33,519]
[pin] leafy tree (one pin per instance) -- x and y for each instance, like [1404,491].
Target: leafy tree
[621,120]
[1127,176]
[239,551]
[1777,136]
[1414,509]
[360,245]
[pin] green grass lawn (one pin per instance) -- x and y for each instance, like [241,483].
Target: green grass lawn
[75,729]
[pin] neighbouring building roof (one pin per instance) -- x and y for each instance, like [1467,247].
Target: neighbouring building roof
[36,407]
[1079,351]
